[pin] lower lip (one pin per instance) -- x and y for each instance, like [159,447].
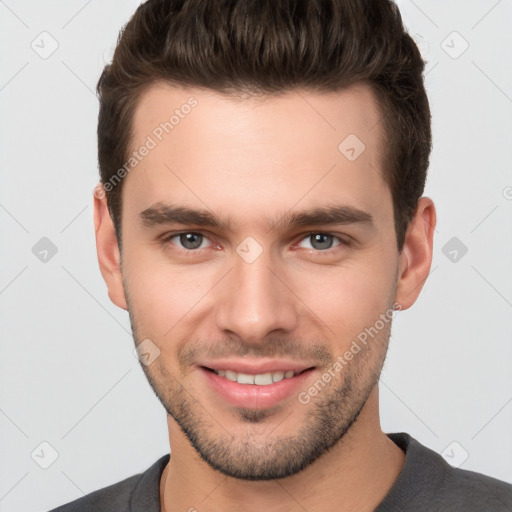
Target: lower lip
[254,396]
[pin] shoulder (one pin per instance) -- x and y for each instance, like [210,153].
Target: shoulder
[476,491]
[428,482]
[114,497]
[138,492]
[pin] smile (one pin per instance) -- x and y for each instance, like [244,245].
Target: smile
[260,379]
[256,390]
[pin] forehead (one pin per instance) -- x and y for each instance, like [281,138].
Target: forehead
[255,154]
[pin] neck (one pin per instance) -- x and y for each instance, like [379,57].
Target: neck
[354,475]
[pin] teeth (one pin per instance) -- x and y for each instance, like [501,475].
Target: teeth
[261,379]
[243,378]
[230,375]
[277,376]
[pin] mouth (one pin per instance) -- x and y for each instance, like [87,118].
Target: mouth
[255,388]
[259,379]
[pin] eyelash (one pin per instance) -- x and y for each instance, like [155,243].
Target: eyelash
[342,241]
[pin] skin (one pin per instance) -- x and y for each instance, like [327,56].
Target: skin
[252,161]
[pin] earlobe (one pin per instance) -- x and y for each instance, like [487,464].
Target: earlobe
[416,256]
[107,249]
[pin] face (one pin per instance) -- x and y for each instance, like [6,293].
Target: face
[259,259]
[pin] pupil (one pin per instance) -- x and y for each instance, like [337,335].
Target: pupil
[322,241]
[190,240]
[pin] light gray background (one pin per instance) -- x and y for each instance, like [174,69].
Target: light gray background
[68,376]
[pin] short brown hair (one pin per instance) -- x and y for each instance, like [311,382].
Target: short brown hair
[270,47]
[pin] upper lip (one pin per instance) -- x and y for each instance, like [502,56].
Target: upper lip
[256,367]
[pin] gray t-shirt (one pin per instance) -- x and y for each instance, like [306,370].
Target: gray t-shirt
[426,483]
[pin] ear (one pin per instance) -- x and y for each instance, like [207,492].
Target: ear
[416,256]
[109,257]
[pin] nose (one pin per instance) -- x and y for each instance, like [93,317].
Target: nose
[255,300]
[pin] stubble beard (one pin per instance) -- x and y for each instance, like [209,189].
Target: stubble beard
[256,452]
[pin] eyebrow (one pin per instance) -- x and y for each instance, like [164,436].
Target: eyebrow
[160,214]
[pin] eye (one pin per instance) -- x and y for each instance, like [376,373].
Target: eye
[188,240]
[192,241]
[321,241]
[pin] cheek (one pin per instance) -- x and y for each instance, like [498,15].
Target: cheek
[348,298]
[170,300]
[164,296]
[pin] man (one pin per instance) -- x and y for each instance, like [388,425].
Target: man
[261,218]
